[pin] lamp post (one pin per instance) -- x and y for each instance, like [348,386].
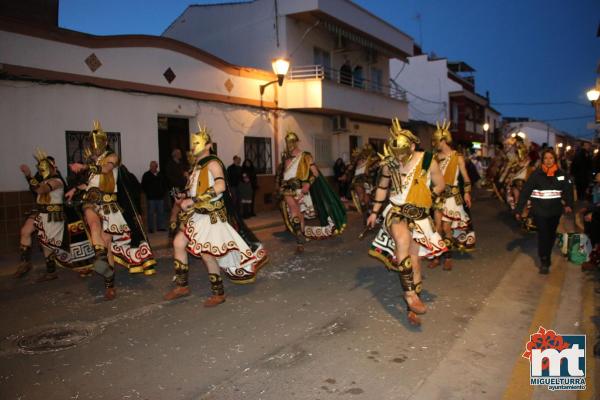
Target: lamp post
[280,66]
[486,128]
[593,95]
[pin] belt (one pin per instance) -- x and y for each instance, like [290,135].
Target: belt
[49,208]
[94,195]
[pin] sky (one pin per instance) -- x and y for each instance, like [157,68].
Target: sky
[526,53]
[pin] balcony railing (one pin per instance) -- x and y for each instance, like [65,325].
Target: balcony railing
[320,72]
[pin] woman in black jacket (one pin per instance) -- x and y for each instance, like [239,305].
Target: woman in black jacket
[551,193]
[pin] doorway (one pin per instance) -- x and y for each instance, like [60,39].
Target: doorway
[173,133]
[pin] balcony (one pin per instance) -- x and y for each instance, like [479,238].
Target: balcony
[316,87]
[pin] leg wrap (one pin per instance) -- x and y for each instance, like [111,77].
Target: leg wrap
[51,263]
[101,265]
[216,284]
[406,274]
[450,245]
[297,227]
[25,253]
[181,273]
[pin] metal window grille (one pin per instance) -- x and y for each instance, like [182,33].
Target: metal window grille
[258,150]
[77,141]
[323,151]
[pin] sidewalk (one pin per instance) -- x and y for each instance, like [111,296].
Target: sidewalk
[158,241]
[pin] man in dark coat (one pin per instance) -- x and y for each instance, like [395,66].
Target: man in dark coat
[155,187]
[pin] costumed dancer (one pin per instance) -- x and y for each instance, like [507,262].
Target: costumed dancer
[110,214]
[365,162]
[305,194]
[519,173]
[210,228]
[407,231]
[48,218]
[451,219]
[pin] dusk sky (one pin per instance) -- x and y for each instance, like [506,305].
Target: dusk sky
[524,51]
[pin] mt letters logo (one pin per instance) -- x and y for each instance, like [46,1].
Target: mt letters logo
[556,361]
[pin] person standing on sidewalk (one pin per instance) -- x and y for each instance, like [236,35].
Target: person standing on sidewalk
[234,177]
[155,187]
[551,194]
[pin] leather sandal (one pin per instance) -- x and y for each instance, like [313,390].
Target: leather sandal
[214,300]
[110,293]
[179,291]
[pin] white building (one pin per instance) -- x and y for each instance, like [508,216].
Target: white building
[537,131]
[151,92]
[427,84]
[339,53]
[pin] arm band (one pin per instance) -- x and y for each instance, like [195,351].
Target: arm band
[33,182]
[467,187]
[219,177]
[94,168]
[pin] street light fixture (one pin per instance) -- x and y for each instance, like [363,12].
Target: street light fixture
[560,145]
[486,128]
[568,148]
[593,95]
[280,66]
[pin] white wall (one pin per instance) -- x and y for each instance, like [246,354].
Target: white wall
[427,80]
[242,34]
[536,131]
[144,65]
[38,115]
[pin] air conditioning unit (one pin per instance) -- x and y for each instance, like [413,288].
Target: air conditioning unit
[340,123]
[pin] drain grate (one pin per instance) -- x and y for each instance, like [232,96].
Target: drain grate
[55,338]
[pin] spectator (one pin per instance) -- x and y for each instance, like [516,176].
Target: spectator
[581,169]
[155,186]
[246,194]
[341,178]
[551,194]
[234,177]
[346,74]
[357,74]
[592,226]
[177,171]
[248,169]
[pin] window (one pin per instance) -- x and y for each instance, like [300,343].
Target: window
[322,57]
[323,151]
[77,141]
[376,80]
[258,150]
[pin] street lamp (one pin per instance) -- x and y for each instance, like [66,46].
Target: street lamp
[559,145]
[486,128]
[568,148]
[280,66]
[593,95]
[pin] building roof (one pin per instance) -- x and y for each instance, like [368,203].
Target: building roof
[460,66]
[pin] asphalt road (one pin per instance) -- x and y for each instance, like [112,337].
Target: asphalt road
[327,324]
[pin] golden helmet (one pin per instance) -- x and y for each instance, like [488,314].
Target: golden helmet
[44,165]
[291,136]
[98,138]
[200,140]
[400,141]
[442,133]
[291,140]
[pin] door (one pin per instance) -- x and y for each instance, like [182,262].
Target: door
[173,133]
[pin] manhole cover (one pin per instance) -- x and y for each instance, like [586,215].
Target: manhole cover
[54,338]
